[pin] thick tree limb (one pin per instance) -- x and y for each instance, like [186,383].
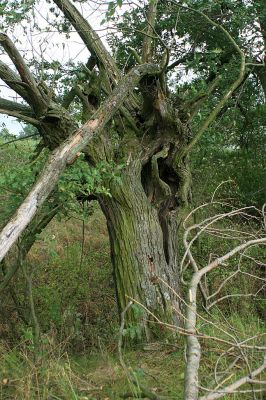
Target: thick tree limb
[14,106]
[39,103]
[16,114]
[69,96]
[94,44]
[17,110]
[12,79]
[65,154]
[90,38]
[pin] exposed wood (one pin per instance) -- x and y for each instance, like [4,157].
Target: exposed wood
[65,153]
[193,345]
[230,389]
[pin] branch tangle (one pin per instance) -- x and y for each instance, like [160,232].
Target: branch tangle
[66,152]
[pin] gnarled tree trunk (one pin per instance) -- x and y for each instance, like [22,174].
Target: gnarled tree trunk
[131,120]
[143,216]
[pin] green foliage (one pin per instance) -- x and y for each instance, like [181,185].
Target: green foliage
[216,162]
[57,375]
[134,332]
[5,135]
[18,172]
[17,175]
[73,289]
[82,180]
[29,130]
[15,11]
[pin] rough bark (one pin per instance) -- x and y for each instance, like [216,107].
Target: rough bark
[147,42]
[64,154]
[151,142]
[13,81]
[138,251]
[35,95]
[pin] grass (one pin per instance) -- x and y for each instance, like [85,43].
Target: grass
[76,308]
[93,376]
[53,373]
[75,304]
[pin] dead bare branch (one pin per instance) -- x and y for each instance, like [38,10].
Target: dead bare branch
[65,154]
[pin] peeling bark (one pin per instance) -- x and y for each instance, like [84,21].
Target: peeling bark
[151,141]
[64,154]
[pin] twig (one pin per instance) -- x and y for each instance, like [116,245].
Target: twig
[18,139]
[240,382]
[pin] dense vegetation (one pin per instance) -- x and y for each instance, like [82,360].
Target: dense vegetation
[173,182]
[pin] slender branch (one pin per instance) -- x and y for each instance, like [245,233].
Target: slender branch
[185,332]
[95,46]
[66,152]
[18,115]
[220,260]
[147,42]
[34,319]
[18,139]
[90,38]
[121,333]
[135,54]
[228,296]
[193,345]
[144,392]
[36,97]
[198,102]
[228,92]
[240,382]
[181,60]
[69,96]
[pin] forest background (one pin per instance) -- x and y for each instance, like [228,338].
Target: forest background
[63,305]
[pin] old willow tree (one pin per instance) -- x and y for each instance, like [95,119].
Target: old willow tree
[133,109]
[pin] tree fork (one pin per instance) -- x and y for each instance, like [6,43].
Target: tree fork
[66,152]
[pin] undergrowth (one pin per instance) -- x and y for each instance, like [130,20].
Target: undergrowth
[74,296]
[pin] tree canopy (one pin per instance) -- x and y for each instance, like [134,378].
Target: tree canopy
[128,124]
